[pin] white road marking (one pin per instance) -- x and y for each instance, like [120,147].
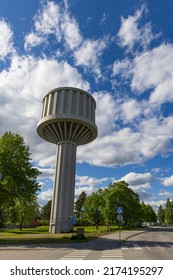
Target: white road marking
[137,247]
[112,254]
[76,255]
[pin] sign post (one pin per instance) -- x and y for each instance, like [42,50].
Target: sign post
[73,220]
[119,218]
[119,211]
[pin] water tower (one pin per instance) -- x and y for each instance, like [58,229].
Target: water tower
[68,120]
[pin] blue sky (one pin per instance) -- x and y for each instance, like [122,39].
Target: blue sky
[122,53]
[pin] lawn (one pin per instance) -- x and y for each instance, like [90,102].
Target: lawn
[40,235]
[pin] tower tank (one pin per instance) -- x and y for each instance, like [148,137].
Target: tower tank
[67,120]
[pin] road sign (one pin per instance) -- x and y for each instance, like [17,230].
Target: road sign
[120,217]
[73,220]
[119,210]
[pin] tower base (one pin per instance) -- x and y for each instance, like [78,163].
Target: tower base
[61,226]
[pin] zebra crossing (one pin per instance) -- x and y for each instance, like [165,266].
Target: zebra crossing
[105,255]
[76,255]
[112,254]
[154,246]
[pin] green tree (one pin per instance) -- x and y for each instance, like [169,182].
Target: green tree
[161,215]
[18,178]
[23,212]
[93,208]
[46,210]
[118,194]
[148,213]
[168,212]
[79,204]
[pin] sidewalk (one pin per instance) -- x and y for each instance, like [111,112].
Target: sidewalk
[118,237]
[123,235]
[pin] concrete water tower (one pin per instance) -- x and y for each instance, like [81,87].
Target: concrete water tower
[68,120]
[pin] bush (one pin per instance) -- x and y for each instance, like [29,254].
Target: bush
[83,222]
[44,222]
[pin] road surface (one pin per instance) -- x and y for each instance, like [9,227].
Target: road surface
[155,243]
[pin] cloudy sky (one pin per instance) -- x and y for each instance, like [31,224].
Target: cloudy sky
[122,53]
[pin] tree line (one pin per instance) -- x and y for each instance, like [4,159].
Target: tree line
[99,208]
[165,215]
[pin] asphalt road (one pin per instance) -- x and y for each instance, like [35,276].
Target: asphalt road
[155,243]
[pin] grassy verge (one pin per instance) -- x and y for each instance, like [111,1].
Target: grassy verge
[40,235]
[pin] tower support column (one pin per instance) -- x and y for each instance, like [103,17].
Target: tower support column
[63,192]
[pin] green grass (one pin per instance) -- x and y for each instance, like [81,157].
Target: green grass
[37,230]
[40,235]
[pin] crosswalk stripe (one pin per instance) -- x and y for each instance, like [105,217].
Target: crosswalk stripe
[124,248]
[111,254]
[159,247]
[137,247]
[76,255]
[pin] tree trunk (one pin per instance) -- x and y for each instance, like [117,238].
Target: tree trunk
[21,224]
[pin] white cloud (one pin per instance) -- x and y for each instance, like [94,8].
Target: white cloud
[143,194]
[122,67]
[83,183]
[53,19]
[71,32]
[44,197]
[156,170]
[117,148]
[47,173]
[86,189]
[47,19]
[168,181]
[151,69]
[46,22]
[29,78]
[157,135]
[155,204]
[89,184]
[131,33]
[165,193]
[139,183]
[138,179]
[89,181]
[6,39]
[105,112]
[149,72]
[104,19]
[32,40]
[151,137]
[131,109]
[88,55]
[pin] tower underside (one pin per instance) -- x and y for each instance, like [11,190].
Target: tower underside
[67,130]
